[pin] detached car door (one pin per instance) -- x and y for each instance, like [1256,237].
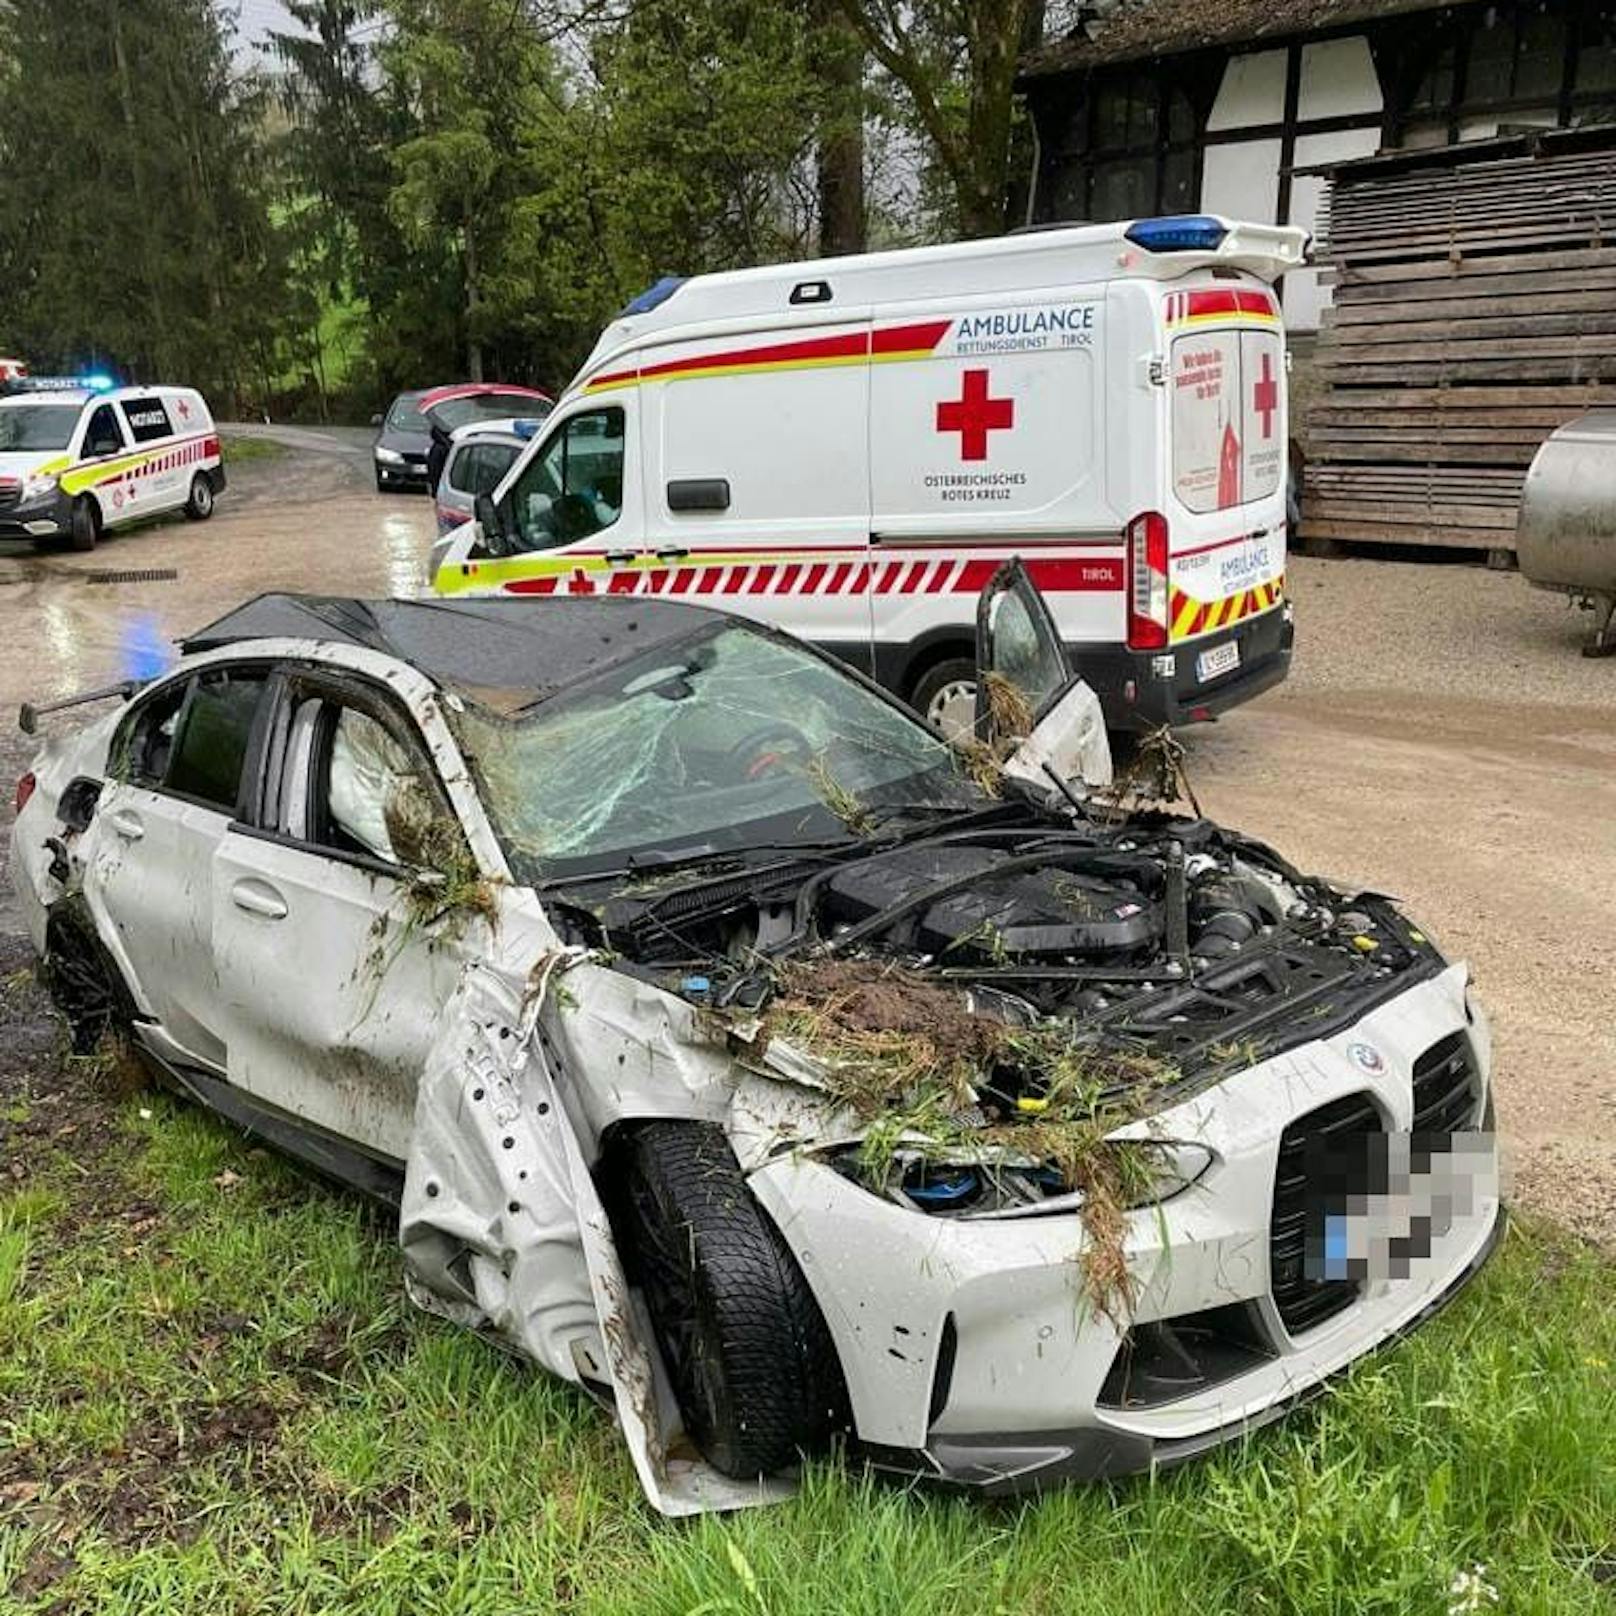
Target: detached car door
[172,789]
[343,907]
[1043,720]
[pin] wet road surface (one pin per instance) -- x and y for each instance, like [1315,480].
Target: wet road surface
[1439,738]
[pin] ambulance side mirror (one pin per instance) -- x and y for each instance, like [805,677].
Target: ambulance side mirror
[490,528]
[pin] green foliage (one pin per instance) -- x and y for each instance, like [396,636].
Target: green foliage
[132,233]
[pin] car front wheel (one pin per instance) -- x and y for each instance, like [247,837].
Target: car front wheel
[85,526]
[751,1361]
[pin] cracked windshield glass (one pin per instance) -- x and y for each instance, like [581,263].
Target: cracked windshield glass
[726,741]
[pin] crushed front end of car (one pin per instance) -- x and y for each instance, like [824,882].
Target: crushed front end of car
[1065,1124]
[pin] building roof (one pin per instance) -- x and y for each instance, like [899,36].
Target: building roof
[1153,28]
[501,653]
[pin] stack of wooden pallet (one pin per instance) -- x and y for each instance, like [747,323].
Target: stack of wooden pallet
[1475,311]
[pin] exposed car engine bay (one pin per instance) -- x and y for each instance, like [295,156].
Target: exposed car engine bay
[1160,933]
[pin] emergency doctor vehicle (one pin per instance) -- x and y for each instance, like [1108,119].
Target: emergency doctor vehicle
[850,448]
[78,458]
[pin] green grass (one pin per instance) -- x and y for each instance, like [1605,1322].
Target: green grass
[239,450]
[215,1399]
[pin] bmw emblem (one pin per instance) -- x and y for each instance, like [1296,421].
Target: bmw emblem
[1367,1058]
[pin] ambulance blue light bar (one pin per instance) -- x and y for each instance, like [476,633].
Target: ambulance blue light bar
[652,296]
[98,382]
[1187,232]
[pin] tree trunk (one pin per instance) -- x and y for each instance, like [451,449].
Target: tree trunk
[839,66]
[474,347]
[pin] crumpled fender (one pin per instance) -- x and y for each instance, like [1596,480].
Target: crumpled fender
[502,1230]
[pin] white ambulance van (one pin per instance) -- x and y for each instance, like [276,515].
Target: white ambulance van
[849,448]
[79,458]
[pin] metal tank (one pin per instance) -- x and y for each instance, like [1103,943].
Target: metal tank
[1565,536]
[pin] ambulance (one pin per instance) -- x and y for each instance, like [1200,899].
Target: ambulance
[81,457]
[849,449]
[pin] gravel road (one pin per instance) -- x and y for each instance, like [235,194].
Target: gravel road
[1440,737]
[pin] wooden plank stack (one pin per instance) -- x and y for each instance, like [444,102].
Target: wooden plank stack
[1475,311]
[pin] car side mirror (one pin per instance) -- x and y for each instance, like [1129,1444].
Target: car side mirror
[489,525]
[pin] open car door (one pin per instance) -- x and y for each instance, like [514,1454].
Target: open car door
[1029,703]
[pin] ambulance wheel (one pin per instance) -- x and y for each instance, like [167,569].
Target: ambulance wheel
[747,1349]
[945,696]
[85,528]
[199,507]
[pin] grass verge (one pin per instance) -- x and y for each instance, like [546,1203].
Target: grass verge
[214,1398]
[239,450]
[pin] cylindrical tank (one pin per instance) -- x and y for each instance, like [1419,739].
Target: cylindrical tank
[1565,536]
[1566,533]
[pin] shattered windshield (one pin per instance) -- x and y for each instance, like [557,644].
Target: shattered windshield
[726,740]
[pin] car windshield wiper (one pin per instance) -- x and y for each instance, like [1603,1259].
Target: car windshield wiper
[704,857]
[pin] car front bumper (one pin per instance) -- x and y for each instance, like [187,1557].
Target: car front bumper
[46,517]
[1141,690]
[972,1355]
[410,472]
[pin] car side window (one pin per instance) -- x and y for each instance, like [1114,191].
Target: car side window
[573,488]
[352,785]
[148,419]
[143,746]
[479,467]
[215,726]
[103,436]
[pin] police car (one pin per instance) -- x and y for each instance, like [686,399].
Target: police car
[79,457]
[850,448]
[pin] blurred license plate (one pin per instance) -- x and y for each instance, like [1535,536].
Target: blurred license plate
[1221,659]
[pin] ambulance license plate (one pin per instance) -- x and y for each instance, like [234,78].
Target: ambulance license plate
[1221,659]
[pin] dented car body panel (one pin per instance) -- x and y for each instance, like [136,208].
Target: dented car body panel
[345,874]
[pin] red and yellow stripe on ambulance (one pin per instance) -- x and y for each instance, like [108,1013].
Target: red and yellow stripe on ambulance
[932,462]
[128,472]
[1227,435]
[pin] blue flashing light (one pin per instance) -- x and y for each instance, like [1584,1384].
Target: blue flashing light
[525,429]
[653,296]
[98,382]
[1185,232]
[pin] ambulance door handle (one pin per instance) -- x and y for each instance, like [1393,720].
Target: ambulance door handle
[621,558]
[675,553]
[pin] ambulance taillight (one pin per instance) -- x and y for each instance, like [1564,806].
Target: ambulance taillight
[1147,582]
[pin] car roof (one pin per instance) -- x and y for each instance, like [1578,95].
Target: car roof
[498,431]
[503,654]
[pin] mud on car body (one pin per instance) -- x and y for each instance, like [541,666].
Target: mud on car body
[741,1052]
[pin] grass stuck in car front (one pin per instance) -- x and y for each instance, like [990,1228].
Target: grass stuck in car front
[215,1398]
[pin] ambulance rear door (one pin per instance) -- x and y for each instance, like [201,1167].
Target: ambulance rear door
[1225,462]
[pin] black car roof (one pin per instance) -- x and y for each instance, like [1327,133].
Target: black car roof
[500,653]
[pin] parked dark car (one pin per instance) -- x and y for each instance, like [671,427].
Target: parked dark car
[402,453]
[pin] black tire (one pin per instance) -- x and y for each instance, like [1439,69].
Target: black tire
[199,505]
[747,1350]
[85,526]
[953,673]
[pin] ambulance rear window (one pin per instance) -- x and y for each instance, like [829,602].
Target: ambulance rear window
[1228,417]
[36,426]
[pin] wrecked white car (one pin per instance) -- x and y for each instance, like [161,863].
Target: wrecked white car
[736,1049]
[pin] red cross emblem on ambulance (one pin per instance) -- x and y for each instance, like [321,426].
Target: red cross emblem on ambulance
[974,414]
[1265,396]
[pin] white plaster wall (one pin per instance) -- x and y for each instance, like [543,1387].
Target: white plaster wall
[1252,91]
[1338,77]
[1304,297]
[1241,180]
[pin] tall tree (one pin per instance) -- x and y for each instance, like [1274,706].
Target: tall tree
[129,221]
[838,57]
[955,62]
